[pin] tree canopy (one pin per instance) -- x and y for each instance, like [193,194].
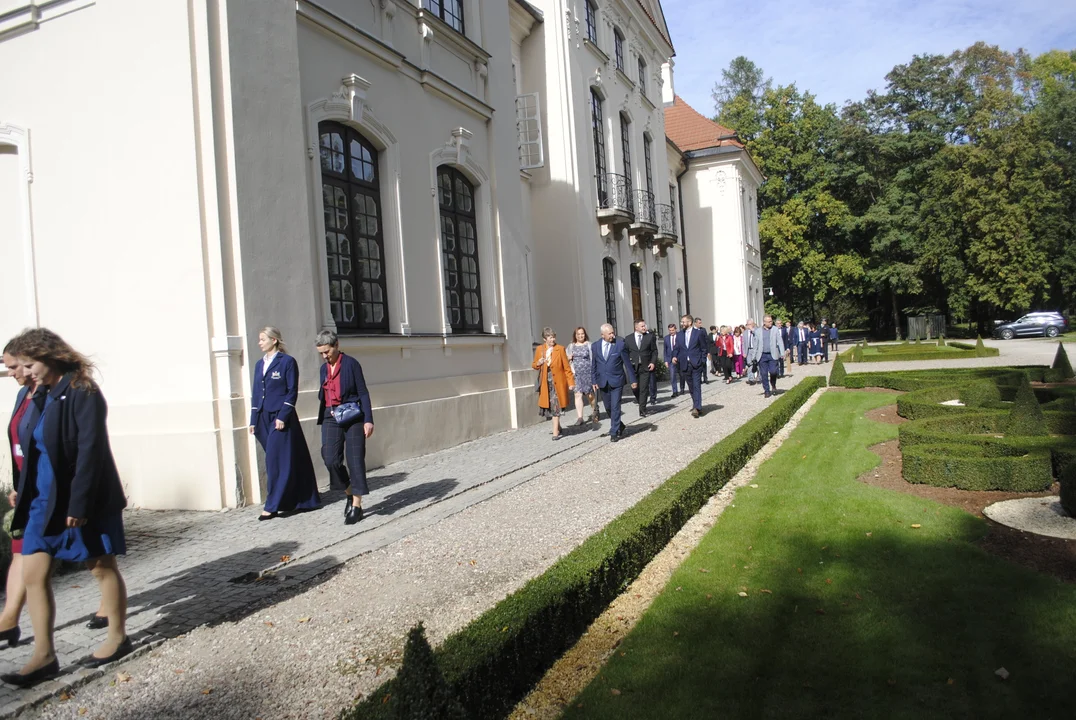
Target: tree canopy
[949,191]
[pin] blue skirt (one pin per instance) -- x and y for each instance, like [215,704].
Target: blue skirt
[99,536]
[290,481]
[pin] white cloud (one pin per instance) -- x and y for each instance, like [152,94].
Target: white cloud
[839,49]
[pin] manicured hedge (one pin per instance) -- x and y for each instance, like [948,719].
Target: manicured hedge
[493,662]
[1068,489]
[978,468]
[918,351]
[1062,364]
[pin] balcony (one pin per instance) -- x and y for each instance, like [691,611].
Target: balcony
[667,233]
[615,207]
[646,219]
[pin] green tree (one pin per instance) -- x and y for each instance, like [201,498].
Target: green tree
[738,97]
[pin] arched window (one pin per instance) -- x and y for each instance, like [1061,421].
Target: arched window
[459,248]
[609,276]
[659,327]
[354,239]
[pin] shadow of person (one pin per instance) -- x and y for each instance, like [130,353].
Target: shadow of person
[712,407]
[421,494]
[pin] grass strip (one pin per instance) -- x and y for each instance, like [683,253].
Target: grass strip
[494,661]
[819,596]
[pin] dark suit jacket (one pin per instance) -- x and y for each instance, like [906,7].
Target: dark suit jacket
[616,371]
[352,388]
[786,336]
[276,390]
[30,418]
[697,353]
[669,347]
[75,432]
[645,355]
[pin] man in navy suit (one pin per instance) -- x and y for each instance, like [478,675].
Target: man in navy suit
[691,358]
[786,336]
[801,343]
[677,379]
[611,369]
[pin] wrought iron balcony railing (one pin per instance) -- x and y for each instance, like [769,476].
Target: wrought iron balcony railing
[644,208]
[667,220]
[614,192]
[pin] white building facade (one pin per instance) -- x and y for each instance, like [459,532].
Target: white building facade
[435,180]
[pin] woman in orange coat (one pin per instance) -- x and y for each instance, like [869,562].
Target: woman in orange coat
[554,378]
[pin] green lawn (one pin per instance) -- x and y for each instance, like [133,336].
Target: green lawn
[850,611]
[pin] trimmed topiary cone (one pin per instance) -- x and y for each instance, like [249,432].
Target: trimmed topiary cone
[1061,362]
[980,349]
[421,691]
[1068,489]
[836,376]
[1026,417]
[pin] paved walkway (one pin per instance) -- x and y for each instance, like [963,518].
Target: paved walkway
[189,569]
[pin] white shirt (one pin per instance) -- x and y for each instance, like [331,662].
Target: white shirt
[266,361]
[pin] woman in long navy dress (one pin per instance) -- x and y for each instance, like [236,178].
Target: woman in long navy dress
[290,482]
[70,499]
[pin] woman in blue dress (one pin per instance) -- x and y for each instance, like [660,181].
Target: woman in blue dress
[814,344]
[70,499]
[290,481]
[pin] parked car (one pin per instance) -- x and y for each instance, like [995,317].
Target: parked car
[1036,324]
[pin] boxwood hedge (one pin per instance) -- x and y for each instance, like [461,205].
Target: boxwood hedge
[494,661]
[1068,489]
[970,468]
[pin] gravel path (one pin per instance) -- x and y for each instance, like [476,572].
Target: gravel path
[311,654]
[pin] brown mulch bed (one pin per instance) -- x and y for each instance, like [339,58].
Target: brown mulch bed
[1053,556]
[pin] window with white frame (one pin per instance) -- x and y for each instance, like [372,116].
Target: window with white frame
[529,129]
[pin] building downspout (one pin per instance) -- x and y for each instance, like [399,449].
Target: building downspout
[683,238]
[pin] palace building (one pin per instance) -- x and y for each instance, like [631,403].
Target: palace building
[434,180]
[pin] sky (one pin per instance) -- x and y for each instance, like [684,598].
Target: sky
[840,49]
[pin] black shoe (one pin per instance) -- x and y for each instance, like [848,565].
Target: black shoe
[33,678]
[642,413]
[126,648]
[694,412]
[267,516]
[347,506]
[97,622]
[614,438]
[768,395]
[353,516]
[11,636]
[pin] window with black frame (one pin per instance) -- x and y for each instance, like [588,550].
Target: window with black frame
[659,327]
[618,48]
[459,250]
[625,147]
[354,236]
[592,21]
[598,122]
[646,163]
[451,11]
[642,76]
[609,276]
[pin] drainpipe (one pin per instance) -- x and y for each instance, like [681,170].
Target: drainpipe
[683,243]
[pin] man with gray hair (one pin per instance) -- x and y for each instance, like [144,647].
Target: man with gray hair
[611,370]
[750,339]
[766,351]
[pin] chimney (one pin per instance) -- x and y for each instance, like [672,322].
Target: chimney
[668,92]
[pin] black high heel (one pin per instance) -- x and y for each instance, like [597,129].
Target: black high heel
[97,622]
[353,514]
[12,636]
[33,678]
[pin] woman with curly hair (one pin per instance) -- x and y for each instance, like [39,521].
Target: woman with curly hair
[70,499]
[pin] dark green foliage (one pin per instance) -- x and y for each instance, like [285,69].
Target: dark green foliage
[980,394]
[980,348]
[1026,417]
[978,468]
[941,342]
[1061,362]
[837,375]
[493,662]
[857,353]
[419,690]
[919,351]
[1068,489]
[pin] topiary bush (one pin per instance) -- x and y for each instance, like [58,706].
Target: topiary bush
[980,348]
[978,468]
[980,394]
[1061,363]
[857,353]
[1068,489]
[838,373]
[1026,417]
[420,690]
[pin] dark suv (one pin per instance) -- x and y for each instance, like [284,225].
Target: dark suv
[1036,324]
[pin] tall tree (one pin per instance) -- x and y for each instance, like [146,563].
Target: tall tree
[738,97]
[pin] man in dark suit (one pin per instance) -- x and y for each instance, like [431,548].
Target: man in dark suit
[823,332]
[677,379]
[611,369]
[691,358]
[700,328]
[786,337]
[643,351]
[801,343]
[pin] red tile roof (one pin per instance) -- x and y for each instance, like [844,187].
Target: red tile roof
[689,130]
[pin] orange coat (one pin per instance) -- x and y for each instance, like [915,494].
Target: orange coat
[562,375]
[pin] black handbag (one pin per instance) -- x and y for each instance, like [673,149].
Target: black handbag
[347,414]
[538,382]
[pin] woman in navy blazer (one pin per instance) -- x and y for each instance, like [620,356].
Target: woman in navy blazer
[342,383]
[70,499]
[290,482]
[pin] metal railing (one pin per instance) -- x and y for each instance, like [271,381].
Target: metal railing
[614,192]
[667,219]
[644,207]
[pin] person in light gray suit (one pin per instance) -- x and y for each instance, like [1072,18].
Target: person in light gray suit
[766,351]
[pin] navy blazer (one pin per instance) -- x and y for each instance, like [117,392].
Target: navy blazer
[669,347]
[277,390]
[352,388]
[30,417]
[786,336]
[87,484]
[614,372]
[697,353]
